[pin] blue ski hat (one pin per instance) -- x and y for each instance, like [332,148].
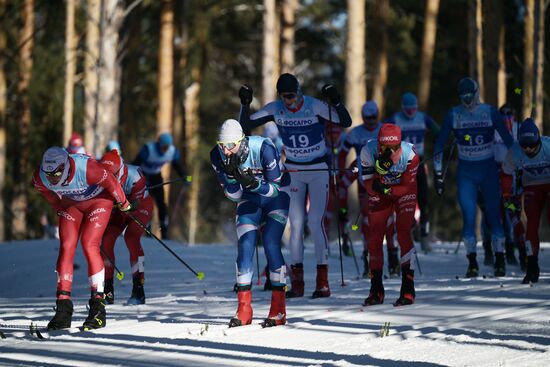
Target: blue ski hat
[370,108]
[165,139]
[409,100]
[528,132]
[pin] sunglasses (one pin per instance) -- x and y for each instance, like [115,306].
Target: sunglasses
[288,95]
[229,145]
[393,148]
[56,174]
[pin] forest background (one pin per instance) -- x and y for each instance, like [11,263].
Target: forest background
[128,70]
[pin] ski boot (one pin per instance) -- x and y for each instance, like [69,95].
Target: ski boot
[473,268]
[96,315]
[407,293]
[138,294]
[533,270]
[321,285]
[63,315]
[109,292]
[277,311]
[244,310]
[297,281]
[500,264]
[376,293]
[489,258]
[510,257]
[365,257]
[393,263]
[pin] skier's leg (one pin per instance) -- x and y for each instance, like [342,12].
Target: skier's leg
[114,229]
[296,217]
[467,198]
[422,184]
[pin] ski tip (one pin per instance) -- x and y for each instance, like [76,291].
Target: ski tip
[200,275]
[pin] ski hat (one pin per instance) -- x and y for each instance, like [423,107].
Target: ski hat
[75,141]
[165,139]
[113,162]
[370,108]
[230,132]
[408,100]
[528,132]
[287,83]
[53,159]
[113,145]
[390,134]
[468,91]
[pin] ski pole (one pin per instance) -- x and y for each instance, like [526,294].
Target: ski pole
[186,178]
[119,274]
[354,170]
[353,254]
[418,262]
[355,224]
[199,275]
[436,153]
[457,247]
[448,161]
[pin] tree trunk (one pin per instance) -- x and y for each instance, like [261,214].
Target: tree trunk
[270,56]
[91,70]
[3,103]
[538,82]
[427,56]
[380,74]
[475,44]
[528,58]
[70,69]
[502,80]
[356,86]
[21,177]
[287,35]
[491,35]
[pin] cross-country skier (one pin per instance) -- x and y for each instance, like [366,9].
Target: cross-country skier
[473,125]
[301,121]
[356,138]
[151,158]
[388,170]
[414,125]
[76,144]
[133,183]
[82,192]
[531,156]
[248,168]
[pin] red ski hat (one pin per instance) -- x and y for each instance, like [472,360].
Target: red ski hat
[113,162]
[390,134]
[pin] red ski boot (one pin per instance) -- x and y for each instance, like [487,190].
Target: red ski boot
[244,310]
[321,288]
[277,312]
[297,281]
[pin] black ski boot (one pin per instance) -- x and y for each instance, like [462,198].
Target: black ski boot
[393,263]
[407,293]
[473,268]
[365,257]
[138,294]
[510,256]
[489,258]
[533,270]
[109,292]
[500,264]
[96,314]
[376,293]
[63,315]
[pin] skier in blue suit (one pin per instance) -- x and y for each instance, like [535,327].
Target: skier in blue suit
[473,125]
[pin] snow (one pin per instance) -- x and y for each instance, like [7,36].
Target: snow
[483,322]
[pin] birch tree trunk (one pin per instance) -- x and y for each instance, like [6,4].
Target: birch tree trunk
[70,69]
[26,43]
[475,44]
[288,28]
[528,58]
[91,72]
[492,25]
[380,74]
[538,42]
[3,102]
[356,86]
[428,48]
[502,80]
[270,53]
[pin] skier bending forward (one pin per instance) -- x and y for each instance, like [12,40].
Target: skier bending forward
[248,168]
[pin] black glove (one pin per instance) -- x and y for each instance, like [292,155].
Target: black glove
[438,184]
[245,94]
[246,179]
[230,165]
[330,93]
[381,188]
[384,163]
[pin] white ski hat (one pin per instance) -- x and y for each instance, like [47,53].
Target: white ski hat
[231,131]
[53,158]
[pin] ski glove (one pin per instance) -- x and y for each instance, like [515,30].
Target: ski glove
[384,163]
[330,93]
[246,179]
[230,165]
[438,184]
[381,188]
[126,207]
[245,94]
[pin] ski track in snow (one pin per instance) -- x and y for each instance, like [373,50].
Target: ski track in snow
[454,322]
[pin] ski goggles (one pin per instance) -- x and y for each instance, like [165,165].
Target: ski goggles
[55,174]
[230,145]
[394,148]
[288,95]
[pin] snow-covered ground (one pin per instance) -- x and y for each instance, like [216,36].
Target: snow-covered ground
[483,322]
